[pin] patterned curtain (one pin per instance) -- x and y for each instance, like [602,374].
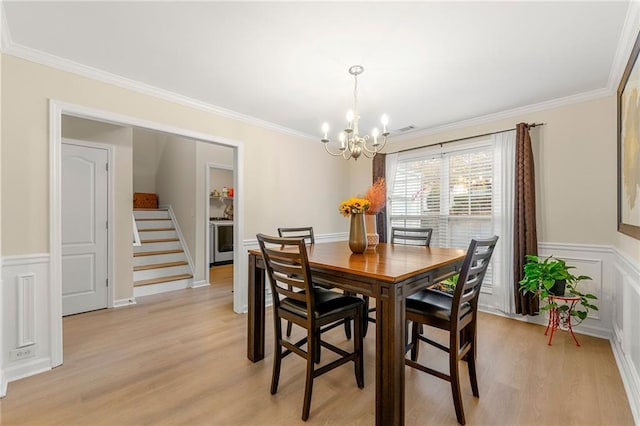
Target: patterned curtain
[379,167]
[524,227]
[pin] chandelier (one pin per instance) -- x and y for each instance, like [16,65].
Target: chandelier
[352,145]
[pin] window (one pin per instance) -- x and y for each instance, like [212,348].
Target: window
[451,191]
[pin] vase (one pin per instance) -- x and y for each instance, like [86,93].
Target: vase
[357,233]
[558,288]
[372,235]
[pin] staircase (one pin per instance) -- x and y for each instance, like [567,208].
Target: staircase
[160,263]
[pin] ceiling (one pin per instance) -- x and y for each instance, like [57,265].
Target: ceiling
[427,64]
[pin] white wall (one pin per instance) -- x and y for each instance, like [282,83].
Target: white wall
[147,151]
[175,185]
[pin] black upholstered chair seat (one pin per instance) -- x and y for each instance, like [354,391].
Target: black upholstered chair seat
[328,303]
[435,304]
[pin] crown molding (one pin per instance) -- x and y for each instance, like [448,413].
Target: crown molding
[489,118]
[43,58]
[625,45]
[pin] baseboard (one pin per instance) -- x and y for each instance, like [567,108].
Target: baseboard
[201,283]
[26,369]
[124,302]
[3,385]
[630,379]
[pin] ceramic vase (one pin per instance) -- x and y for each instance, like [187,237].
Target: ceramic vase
[372,235]
[357,233]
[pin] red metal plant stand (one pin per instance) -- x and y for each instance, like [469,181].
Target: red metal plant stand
[556,322]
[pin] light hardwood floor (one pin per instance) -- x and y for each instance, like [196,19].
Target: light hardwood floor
[180,358]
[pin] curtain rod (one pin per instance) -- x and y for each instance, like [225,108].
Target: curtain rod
[530,125]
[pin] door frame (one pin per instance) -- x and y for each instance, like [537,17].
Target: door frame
[110,211]
[56,110]
[207,191]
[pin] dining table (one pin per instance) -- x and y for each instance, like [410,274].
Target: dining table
[389,273]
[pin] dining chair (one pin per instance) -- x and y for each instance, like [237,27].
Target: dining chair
[412,236]
[306,232]
[313,308]
[399,235]
[456,314]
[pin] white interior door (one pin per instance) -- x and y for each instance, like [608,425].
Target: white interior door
[84,228]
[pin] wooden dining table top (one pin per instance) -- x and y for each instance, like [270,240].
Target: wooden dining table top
[386,262]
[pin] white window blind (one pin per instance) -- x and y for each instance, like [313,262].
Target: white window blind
[451,192]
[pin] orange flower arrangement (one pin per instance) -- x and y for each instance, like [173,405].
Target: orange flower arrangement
[376,194]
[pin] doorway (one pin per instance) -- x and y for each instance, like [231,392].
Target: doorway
[57,110]
[220,217]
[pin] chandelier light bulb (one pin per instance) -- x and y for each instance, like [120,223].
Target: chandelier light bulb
[384,120]
[341,137]
[325,130]
[350,117]
[375,132]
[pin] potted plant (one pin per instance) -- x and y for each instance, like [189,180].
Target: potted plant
[548,277]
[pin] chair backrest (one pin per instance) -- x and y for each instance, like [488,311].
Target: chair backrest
[470,279]
[411,236]
[305,232]
[288,270]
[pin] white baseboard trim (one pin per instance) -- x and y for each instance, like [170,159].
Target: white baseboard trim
[3,385]
[124,302]
[630,379]
[201,283]
[27,369]
[542,319]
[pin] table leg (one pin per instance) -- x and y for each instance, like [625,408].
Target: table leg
[390,331]
[255,331]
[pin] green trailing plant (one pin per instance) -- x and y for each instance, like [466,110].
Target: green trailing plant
[540,275]
[448,285]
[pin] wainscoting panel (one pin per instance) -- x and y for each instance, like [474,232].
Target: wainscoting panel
[597,262]
[25,315]
[26,309]
[626,328]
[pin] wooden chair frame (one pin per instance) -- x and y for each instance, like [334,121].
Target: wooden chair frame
[292,289]
[462,324]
